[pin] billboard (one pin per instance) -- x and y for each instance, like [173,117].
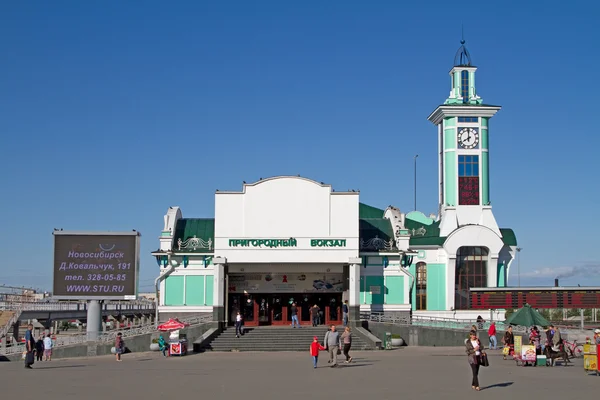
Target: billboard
[96,266]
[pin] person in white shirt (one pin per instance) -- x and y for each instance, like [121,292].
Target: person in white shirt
[48,348]
[238,325]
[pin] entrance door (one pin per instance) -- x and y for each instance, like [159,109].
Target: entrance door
[333,310]
[264,309]
[278,310]
[246,305]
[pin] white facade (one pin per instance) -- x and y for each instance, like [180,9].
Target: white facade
[283,208]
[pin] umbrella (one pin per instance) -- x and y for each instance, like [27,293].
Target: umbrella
[527,316]
[173,324]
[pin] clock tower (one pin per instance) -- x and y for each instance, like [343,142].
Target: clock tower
[463,123]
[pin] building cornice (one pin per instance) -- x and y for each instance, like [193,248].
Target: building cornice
[445,111]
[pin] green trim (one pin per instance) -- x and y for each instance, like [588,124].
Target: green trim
[501,274]
[484,122]
[174,290]
[436,287]
[194,290]
[450,139]
[485,182]
[450,122]
[450,178]
[394,289]
[484,139]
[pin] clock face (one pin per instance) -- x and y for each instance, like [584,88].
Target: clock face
[468,138]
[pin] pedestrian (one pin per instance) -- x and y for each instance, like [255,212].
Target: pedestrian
[39,349]
[345,312]
[29,347]
[474,351]
[119,346]
[332,343]
[492,336]
[294,313]
[48,348]
[314,315]
[480,322]
[347,342]
[509,343]
[238,324]
[315,347]
[163,346]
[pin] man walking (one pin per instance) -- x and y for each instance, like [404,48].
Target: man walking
[294,312]
[314,315]
[30,347]
[345,313]
[332,343]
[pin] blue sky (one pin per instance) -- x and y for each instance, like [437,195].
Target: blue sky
[111,112]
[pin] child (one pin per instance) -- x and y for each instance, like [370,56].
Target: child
[119,346]
[315,347]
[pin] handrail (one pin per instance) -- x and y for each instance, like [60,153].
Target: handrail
[66,340]
[452,323]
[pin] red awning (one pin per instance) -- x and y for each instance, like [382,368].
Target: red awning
[172,324]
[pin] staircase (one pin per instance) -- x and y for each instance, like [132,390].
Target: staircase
[6,321]
[270,338]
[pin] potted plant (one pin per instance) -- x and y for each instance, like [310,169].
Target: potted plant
[397,340]
[154,345]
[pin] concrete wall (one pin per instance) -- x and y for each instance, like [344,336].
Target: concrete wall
[135,344]
[426,336]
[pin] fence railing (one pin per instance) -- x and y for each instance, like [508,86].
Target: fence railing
[460,324]
[108,337]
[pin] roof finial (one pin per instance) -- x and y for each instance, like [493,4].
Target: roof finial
[462,57]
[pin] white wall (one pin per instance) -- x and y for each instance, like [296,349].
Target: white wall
[283,208]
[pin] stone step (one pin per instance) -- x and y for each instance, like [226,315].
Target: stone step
[275,339]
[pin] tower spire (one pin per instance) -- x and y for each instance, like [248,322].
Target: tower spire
[462,57]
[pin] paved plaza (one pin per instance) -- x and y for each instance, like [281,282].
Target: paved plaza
[421,373]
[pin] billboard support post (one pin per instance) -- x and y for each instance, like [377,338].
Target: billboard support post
[94,320]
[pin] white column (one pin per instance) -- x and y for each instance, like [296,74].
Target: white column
[219,289]
[492,271]
[450,283]
[354,295]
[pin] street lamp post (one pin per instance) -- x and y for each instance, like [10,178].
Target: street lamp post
[519,264]
[416,155]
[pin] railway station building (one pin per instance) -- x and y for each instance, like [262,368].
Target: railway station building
[291,239]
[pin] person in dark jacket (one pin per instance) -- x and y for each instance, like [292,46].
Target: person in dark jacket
[345,312]
[39,350]
[474,350]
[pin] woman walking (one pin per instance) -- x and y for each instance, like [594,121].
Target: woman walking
[474,350]
[347,342]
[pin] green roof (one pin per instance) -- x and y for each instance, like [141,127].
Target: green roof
[375,232]
[366,211]
[424,235]
[197,235]
[508,237]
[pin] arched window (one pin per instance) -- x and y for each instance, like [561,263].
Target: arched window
[421,286]
[471,271]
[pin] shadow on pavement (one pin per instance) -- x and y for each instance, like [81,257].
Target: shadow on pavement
[498,385]
[62,366]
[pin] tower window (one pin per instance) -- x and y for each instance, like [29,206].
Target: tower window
[464,86]
[468,119]
[421,294]
[468,180]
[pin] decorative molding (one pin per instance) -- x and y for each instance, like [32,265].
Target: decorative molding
[418,232]
[195,243]
[378,244]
